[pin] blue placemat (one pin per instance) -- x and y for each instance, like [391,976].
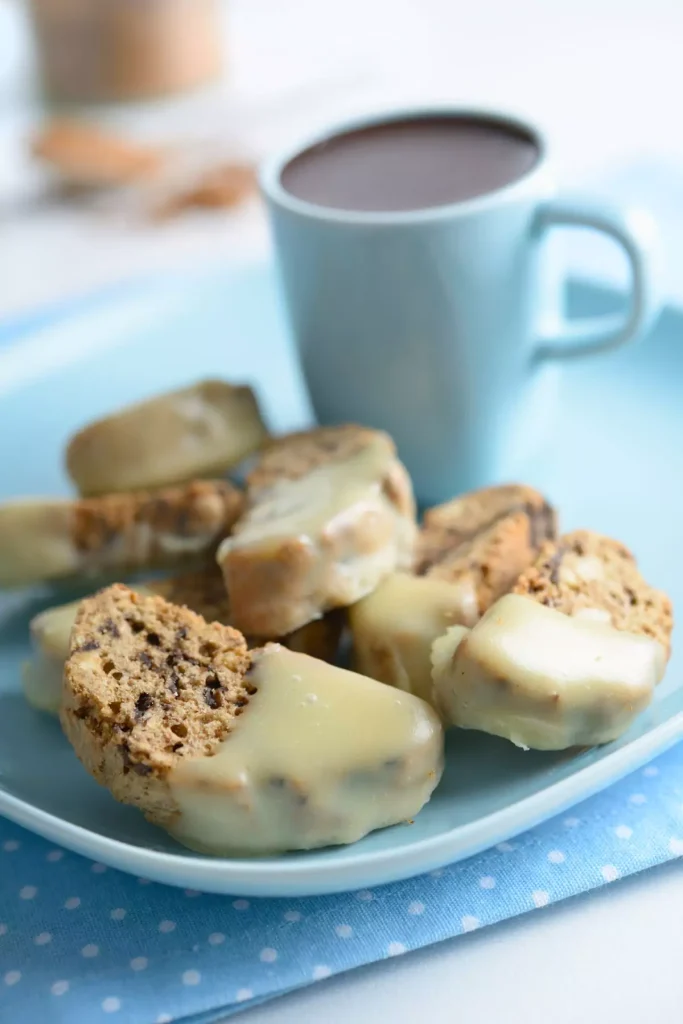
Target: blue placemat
[83,943]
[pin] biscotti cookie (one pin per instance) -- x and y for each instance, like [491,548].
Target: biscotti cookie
[238,753]
[329,513]
[486,538]
[469,551]
[198,431]
[569,658]
[85,156]
[202,591]
[46,539]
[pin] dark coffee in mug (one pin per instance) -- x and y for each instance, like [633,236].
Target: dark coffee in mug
[411,164]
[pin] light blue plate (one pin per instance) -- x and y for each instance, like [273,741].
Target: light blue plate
[612,464]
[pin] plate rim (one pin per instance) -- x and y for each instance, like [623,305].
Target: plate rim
[288,878]
[317,874]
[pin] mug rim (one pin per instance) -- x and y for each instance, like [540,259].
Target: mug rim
[271,169]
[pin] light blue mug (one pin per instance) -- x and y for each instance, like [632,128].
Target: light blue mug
[430,323]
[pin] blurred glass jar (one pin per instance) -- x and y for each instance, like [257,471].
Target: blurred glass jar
[113,50]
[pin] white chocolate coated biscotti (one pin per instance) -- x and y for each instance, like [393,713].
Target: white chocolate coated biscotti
[198,431]
[543,679]
[51,539]
[329,514]
[236,752]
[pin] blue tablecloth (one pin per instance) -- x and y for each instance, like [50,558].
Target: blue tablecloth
[85,944]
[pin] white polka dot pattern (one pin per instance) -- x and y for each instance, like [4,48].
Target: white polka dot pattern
[98,943]
[469,923]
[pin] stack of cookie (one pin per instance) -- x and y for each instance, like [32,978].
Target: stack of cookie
[211,699]
[151,497]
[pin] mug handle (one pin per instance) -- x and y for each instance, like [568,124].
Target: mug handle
[636,233]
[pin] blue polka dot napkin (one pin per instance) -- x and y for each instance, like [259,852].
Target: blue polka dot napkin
[83,943]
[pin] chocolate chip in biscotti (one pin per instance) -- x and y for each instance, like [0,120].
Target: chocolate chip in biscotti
[486,537]
[137,704]
[587,575]
[42,540]
[330,513]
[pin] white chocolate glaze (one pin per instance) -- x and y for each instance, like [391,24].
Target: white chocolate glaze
[198,431]
[395,626]
[543,679]
[319,502]
[319,756]
[341,531]
[41,679]
[35,541]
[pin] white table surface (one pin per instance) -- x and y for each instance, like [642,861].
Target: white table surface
[604,77]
